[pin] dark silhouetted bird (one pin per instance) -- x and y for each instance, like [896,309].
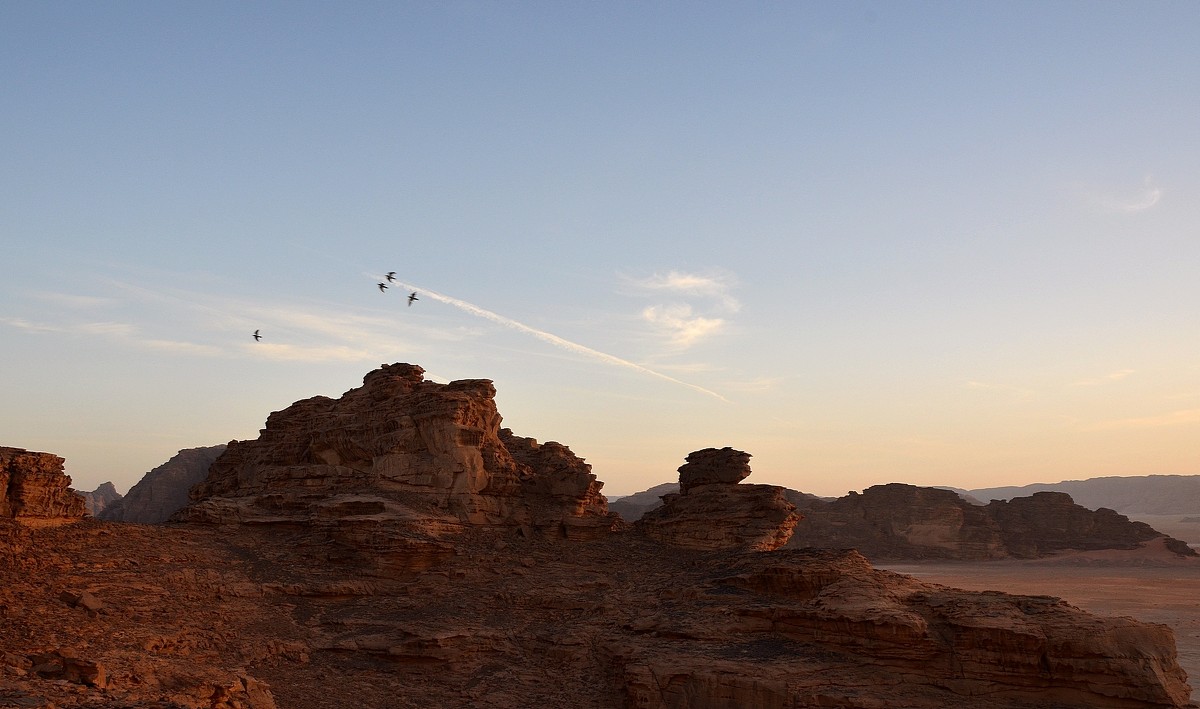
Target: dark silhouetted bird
[382,286]
[411,297]
[257,336]
[391,276]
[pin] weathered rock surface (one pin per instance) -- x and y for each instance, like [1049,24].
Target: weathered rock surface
[391,467]
[101,498]
[34,490]
[164,491]
[711,511]
[897,521]
[201,616]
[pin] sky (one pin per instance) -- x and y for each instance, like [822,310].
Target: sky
[940,243]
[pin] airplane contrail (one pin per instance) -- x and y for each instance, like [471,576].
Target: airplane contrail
[554,339]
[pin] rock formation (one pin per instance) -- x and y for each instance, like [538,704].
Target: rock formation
[897,521]
[1129,495]
[100,499]
[711,511]
[164,491]
[1049,522]
[197,616]
[396,548]
[390,467]
[34,490]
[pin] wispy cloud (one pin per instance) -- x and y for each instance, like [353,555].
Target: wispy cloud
[23,324]
[1130,202]
[1110,377]
[684,327]
[299,353]
[554,339]
[698,307]
[75,301]
[1184,417]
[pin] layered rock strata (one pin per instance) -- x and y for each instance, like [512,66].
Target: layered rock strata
[712,511]
[164,490]
[392,467]
[35,491]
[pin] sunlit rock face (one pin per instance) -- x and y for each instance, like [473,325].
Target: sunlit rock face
[712,511]
[34,490]
[398,463]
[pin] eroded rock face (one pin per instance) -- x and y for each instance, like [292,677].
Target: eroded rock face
[164,490]
[394,465]
[711,511]
[34,490]
[898,521]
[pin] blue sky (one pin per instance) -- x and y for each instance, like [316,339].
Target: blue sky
[939,243]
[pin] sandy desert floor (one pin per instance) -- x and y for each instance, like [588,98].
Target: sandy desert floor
[1156,591]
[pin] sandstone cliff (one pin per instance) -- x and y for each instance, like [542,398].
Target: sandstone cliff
[164,490]
[101,498]
[897,521]
[34,490]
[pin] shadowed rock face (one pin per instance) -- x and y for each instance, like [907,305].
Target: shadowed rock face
[897,521]
[164,491]
[34,490]
[711,511]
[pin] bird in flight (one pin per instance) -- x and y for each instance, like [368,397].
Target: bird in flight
[382,286]
[257,336]
[391,276]
[411,297]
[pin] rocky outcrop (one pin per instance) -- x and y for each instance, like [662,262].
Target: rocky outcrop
[391,467]
[100,499]
[197,616]
[1050,522]
[897,521]
[711,511]
[164,491]
[35,491]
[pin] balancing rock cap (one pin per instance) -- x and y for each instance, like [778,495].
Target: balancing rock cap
[714,466]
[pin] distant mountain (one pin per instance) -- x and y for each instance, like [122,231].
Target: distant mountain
[163,491]
[97,500]
[632,507]
[1145,494]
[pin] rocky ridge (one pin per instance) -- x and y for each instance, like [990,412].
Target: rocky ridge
[164,490]
[898,521]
